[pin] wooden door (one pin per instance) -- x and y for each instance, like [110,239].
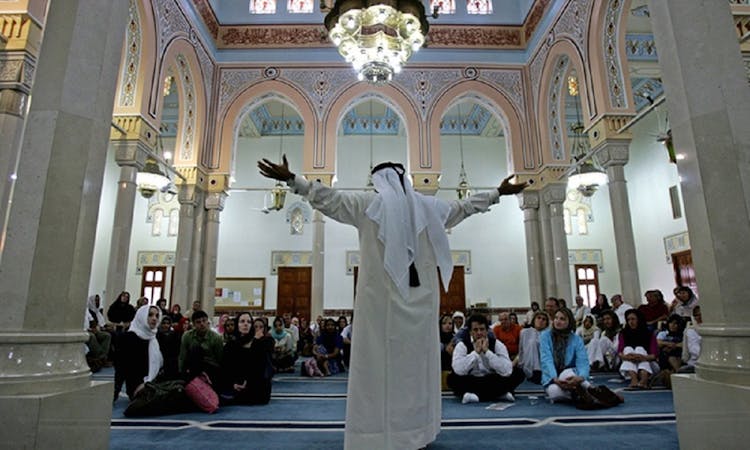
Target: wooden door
[153,279]
[455,298]
[684,272]
[295,286]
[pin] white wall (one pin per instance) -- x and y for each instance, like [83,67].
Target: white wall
[496,239]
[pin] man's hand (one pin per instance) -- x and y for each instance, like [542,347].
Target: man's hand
[508,188]
[275,171]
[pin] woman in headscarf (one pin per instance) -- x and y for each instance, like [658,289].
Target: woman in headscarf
[565,365]
[637,349]
[306,338]
[588,330]
[247,363]
[230,330]
[327,349]
[99,340]
[528,347]
[283,352]
[602,304]
[670,344]
[139,358]
[446,344]
[458,321]
[220,325]
[603,350]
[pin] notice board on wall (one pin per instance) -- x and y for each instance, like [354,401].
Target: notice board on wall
[239,294]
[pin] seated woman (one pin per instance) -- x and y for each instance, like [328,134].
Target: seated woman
[589,332]
[306,338]
[230,330]
[670,344]
[528,347]
[169,343]
[637,349]
[446,346]
[565,365]
[602,351]
[247,363]
[175,313]
[283,352]
[139,358]
[327,349]
[220,324]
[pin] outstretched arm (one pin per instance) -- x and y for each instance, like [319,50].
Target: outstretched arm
[461,209]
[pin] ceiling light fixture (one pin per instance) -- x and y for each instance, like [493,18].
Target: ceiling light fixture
[587,174]
[377,36]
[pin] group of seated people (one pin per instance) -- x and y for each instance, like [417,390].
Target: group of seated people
[558,347]
[238,357]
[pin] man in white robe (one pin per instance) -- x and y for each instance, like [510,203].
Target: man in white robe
[393,398]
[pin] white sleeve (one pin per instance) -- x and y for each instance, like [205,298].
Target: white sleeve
[463,363]
[345,207]
[499,361]
[461,209]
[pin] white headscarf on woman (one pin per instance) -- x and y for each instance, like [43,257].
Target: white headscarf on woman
[97,314]
[140,327]
[401,214]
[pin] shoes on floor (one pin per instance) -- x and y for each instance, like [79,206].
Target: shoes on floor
[508,397]
[470,397]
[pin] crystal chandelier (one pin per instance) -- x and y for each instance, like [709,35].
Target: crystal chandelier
[377,36]
[463,190]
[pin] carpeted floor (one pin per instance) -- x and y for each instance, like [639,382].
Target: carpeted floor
[308,413]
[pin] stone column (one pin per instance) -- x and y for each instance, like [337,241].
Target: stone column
[709,111]
[131,140]
[214,206]
[317,296]
[548,253]
[529,202]
[554,196]
[196,265]
[46,261]
[613,155]
[184,251]
[21,37]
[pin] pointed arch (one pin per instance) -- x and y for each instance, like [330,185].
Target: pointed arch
[137,63]
[608,62]
[325,159]
[230,118]
[181,61]
[562,50]
[495,101]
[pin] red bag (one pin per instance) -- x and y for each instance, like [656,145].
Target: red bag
[199,390]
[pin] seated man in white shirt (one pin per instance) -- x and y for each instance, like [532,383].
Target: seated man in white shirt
[580,311]
[619,307]
[691,343]
[482,370]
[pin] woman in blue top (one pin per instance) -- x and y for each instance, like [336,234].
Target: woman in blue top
[565,363]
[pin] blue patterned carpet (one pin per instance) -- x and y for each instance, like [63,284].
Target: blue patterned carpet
[309,414]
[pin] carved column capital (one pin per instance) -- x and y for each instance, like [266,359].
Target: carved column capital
[17,71]
[554,193]
[215,202]
[613,153]
[528,199]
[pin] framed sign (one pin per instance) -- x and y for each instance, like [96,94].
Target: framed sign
[239,294]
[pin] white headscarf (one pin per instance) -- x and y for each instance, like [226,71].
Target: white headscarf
[401,215]
[140,327]
[91,306]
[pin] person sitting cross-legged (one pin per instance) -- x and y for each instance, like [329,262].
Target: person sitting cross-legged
[565,364]
[482,370]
